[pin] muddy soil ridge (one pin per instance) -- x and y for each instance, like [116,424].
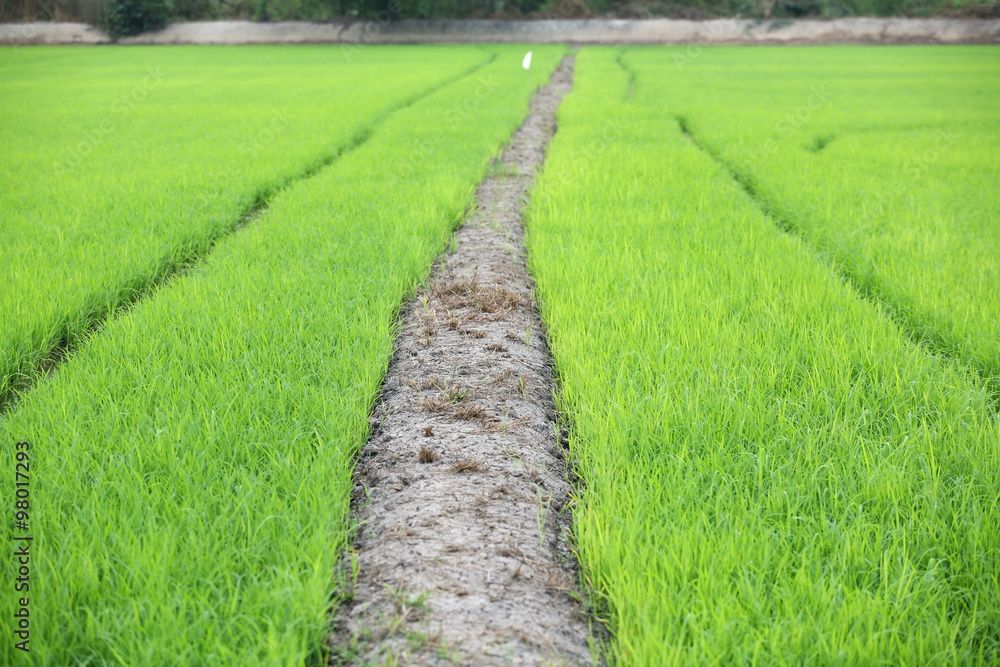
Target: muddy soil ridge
[856,30]
[461,493]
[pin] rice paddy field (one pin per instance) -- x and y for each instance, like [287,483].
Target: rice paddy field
[770,279]
[118,169]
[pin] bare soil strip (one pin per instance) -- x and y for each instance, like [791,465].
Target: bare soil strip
[461,493]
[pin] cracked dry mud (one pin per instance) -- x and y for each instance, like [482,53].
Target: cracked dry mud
[461,493]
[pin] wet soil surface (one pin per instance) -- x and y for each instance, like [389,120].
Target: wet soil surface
[461,494]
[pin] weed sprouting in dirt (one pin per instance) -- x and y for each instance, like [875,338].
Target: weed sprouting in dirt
[474,465]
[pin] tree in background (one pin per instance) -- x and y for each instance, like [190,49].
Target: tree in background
[131,17]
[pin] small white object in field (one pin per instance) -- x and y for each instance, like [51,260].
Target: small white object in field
[527,61]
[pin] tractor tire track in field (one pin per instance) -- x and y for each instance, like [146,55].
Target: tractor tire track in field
[68,341]
[988,377]
[461,499]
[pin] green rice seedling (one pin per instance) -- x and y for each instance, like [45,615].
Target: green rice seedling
[774,471]
[121,164]
[191,462]
[885,160]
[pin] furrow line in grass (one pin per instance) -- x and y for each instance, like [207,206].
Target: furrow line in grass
[68,341]
[989,376]
[630,89]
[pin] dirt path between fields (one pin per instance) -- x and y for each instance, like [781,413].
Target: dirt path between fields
[461,493]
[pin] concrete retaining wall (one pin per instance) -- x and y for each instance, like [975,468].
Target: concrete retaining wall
[592,31]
